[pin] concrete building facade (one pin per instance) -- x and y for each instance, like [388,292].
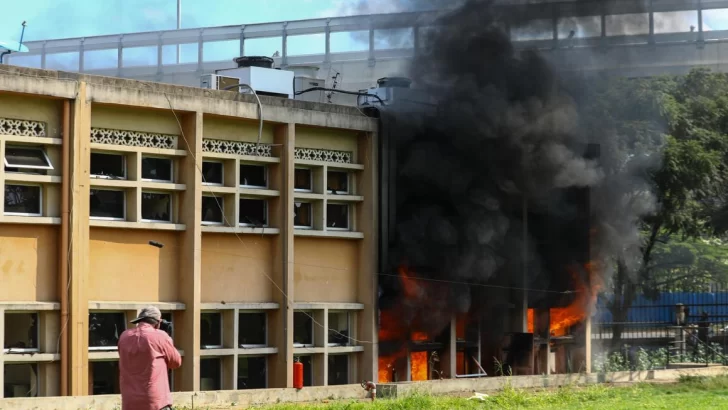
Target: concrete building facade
[259,246]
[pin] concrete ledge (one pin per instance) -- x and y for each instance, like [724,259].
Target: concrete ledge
[329,305]
[30,358]
[239,305]
[115,305]
[29,306]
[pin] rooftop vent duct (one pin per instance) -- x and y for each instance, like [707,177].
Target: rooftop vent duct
[254,61]
[399,82]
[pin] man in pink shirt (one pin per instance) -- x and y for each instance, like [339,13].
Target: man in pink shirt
[145,355]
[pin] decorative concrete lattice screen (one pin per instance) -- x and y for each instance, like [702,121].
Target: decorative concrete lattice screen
[133,138]
[313,154]
[25,128]
[237,148]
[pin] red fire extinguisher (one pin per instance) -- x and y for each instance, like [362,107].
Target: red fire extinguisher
[298,374]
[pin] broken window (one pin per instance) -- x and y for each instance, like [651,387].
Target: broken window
[157,169]
[302,329]
[211,374]
[253,212]
[337,182]
[307,370]
[252,373]
[212,173]
[211,331]
[105,377]
[26,159]
[104,329]
[253,176]
[302,217]
[109,166]
[338,369]
[20,380]
[252,330]
[337,216]
[303,180]
[23,200]
[107,204]
[21,333]
[338,328]
[156,207]
[212,210]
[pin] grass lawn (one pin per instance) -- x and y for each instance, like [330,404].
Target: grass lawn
[688,393]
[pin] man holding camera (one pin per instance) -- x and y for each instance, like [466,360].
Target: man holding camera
[146,352]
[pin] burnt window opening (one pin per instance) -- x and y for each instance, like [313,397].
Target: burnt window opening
[156,207]
[253,212]
[104,329]
[20,380]
[27,160]
[307,370]
[252,372]
[338,369]
[157,169]
[302,329]
[211,330]
[303,180]
[211,374]
[212,173]
[213,210]
[339,329]
[302,215]
[104,377]
[107,204]
[24,200]
[252,330]
[108,166]
[21,333]
[337,182]
[253,176]
[337,216]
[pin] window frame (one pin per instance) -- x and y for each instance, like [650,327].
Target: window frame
[310,215]
[348,367]
[310,180]
[171,207]
[221,375]
[348,182]
[254,346]
[253,356]
[309,314]
[266,175]
[222,174]
[109,218]
[124,166]
[348,329]
[36,369]
[40,199]
[24,350]
[222,205]
[171,169]
[28,147]
[349,218]
[113,348]
[265,211]
[222,331]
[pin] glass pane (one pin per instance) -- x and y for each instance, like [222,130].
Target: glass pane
[107,204]
[22,199]
[252,329]
[252,373]
[17,157]
[338,369]
[212,208]
[156,207]
[210,374]
[21,331]
[338,182]
[211,330]
[307,370]
[253,175]
[104,329]
[339,328]
[158,169]
[21,380]
[302,179]
[253,212]
[302,328]
[108,165]
[302,214]
[212,172]
[105,377]
[337,216]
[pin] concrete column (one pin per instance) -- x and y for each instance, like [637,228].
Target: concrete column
[120,56]
[449,359]
[189,281]
[372,59]
[281,321]
[160,57]
[242,40]
[284,45]
[701,37]
[81,56]
[320,338]
[79,260]
[42,65]
[652,23]
[367,219]
[327,56]
[200,50]
[588,344]
[2,344]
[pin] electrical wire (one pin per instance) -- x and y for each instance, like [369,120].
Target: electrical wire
[361,94]
[260,108]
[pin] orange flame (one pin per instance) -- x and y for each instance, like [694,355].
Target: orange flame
[418,366]
[420,336]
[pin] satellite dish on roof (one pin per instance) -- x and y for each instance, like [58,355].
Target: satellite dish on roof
[10,46]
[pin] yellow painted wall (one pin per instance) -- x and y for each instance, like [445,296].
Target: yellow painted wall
[122,118]
[37,109]
[234,271]
[325,138]
[325,270]
[124,267]
[228,129]
[28,263]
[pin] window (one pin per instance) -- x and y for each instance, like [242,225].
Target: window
[104,330]
[110,166]
[211,374]
[303,180]
[21,333]
[253,176]
[307,370]
[106,204]
[156,207]
[23,200]
[253,212]
[338,182]
[337,216]
[252,330]
[252,373]
[212,173]
[169,318]
[157,169]
[212,210]
[338,369]
[302,329]
[26,158]
[21,380]
[211,331]
[302,215]
[105,377]
[338,328]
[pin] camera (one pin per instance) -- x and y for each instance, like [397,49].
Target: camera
[166,326]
